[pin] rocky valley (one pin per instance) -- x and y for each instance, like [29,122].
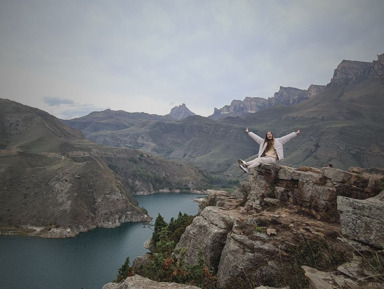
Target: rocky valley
[55,183]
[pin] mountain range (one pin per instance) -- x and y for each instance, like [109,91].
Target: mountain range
[62,177]
[56,183]
[341,124]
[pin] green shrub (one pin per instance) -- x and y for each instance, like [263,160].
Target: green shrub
[160,224]
[163,266]
[124,271]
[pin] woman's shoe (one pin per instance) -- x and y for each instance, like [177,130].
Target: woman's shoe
[243,168]
[243,163]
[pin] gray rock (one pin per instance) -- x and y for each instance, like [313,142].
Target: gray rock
[362,220]
[267,287]
[327,280]
[141,260]
[139,282]
[207,233]
[241,255]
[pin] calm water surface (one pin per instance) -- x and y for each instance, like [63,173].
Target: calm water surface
[87,261]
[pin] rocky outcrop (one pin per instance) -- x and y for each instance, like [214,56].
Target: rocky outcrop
[138,282]
[286,96]
[315,90]
[350,72]
[180,112]
[313,190]
[246,255]
[347,275]
[362,220]
[254,237]
[208,232]
[258,235]
[238,107]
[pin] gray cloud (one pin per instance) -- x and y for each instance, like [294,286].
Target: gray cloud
[202,53]
[57,101]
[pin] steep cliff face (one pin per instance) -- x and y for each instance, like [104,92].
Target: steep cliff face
[257,236]
[286,96]
[350,72]
[238,107]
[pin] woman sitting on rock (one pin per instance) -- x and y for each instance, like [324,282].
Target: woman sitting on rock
[271,149]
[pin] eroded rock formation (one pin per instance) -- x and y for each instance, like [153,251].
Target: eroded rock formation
[268,231]
[256,235]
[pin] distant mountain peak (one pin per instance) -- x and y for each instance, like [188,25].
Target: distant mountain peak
[180,112]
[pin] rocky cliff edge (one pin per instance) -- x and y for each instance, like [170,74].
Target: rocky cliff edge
[284,224]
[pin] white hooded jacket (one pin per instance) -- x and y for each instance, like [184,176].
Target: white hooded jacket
[278,143]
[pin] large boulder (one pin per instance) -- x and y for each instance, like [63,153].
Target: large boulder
[362,220]
[207,233]
[245,258]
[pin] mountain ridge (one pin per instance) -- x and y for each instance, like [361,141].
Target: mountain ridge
[331,118]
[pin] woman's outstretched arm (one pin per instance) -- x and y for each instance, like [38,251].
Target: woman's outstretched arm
[288,137]
[254,136]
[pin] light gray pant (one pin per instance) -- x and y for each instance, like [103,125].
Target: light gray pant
[263,160]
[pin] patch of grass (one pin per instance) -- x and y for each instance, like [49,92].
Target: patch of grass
[317,253]
[289,275]
[374,262]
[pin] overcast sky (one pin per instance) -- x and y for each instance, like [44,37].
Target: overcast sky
[73,57]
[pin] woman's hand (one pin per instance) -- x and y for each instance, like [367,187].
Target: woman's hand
[247,130]
[298,131]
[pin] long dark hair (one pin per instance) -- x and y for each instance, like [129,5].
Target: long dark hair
[269,142]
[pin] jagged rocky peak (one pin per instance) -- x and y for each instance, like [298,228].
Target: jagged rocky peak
[285,96]
[180,112]
[248,105]
[349,72]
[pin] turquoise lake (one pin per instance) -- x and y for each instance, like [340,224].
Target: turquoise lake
[88,260]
